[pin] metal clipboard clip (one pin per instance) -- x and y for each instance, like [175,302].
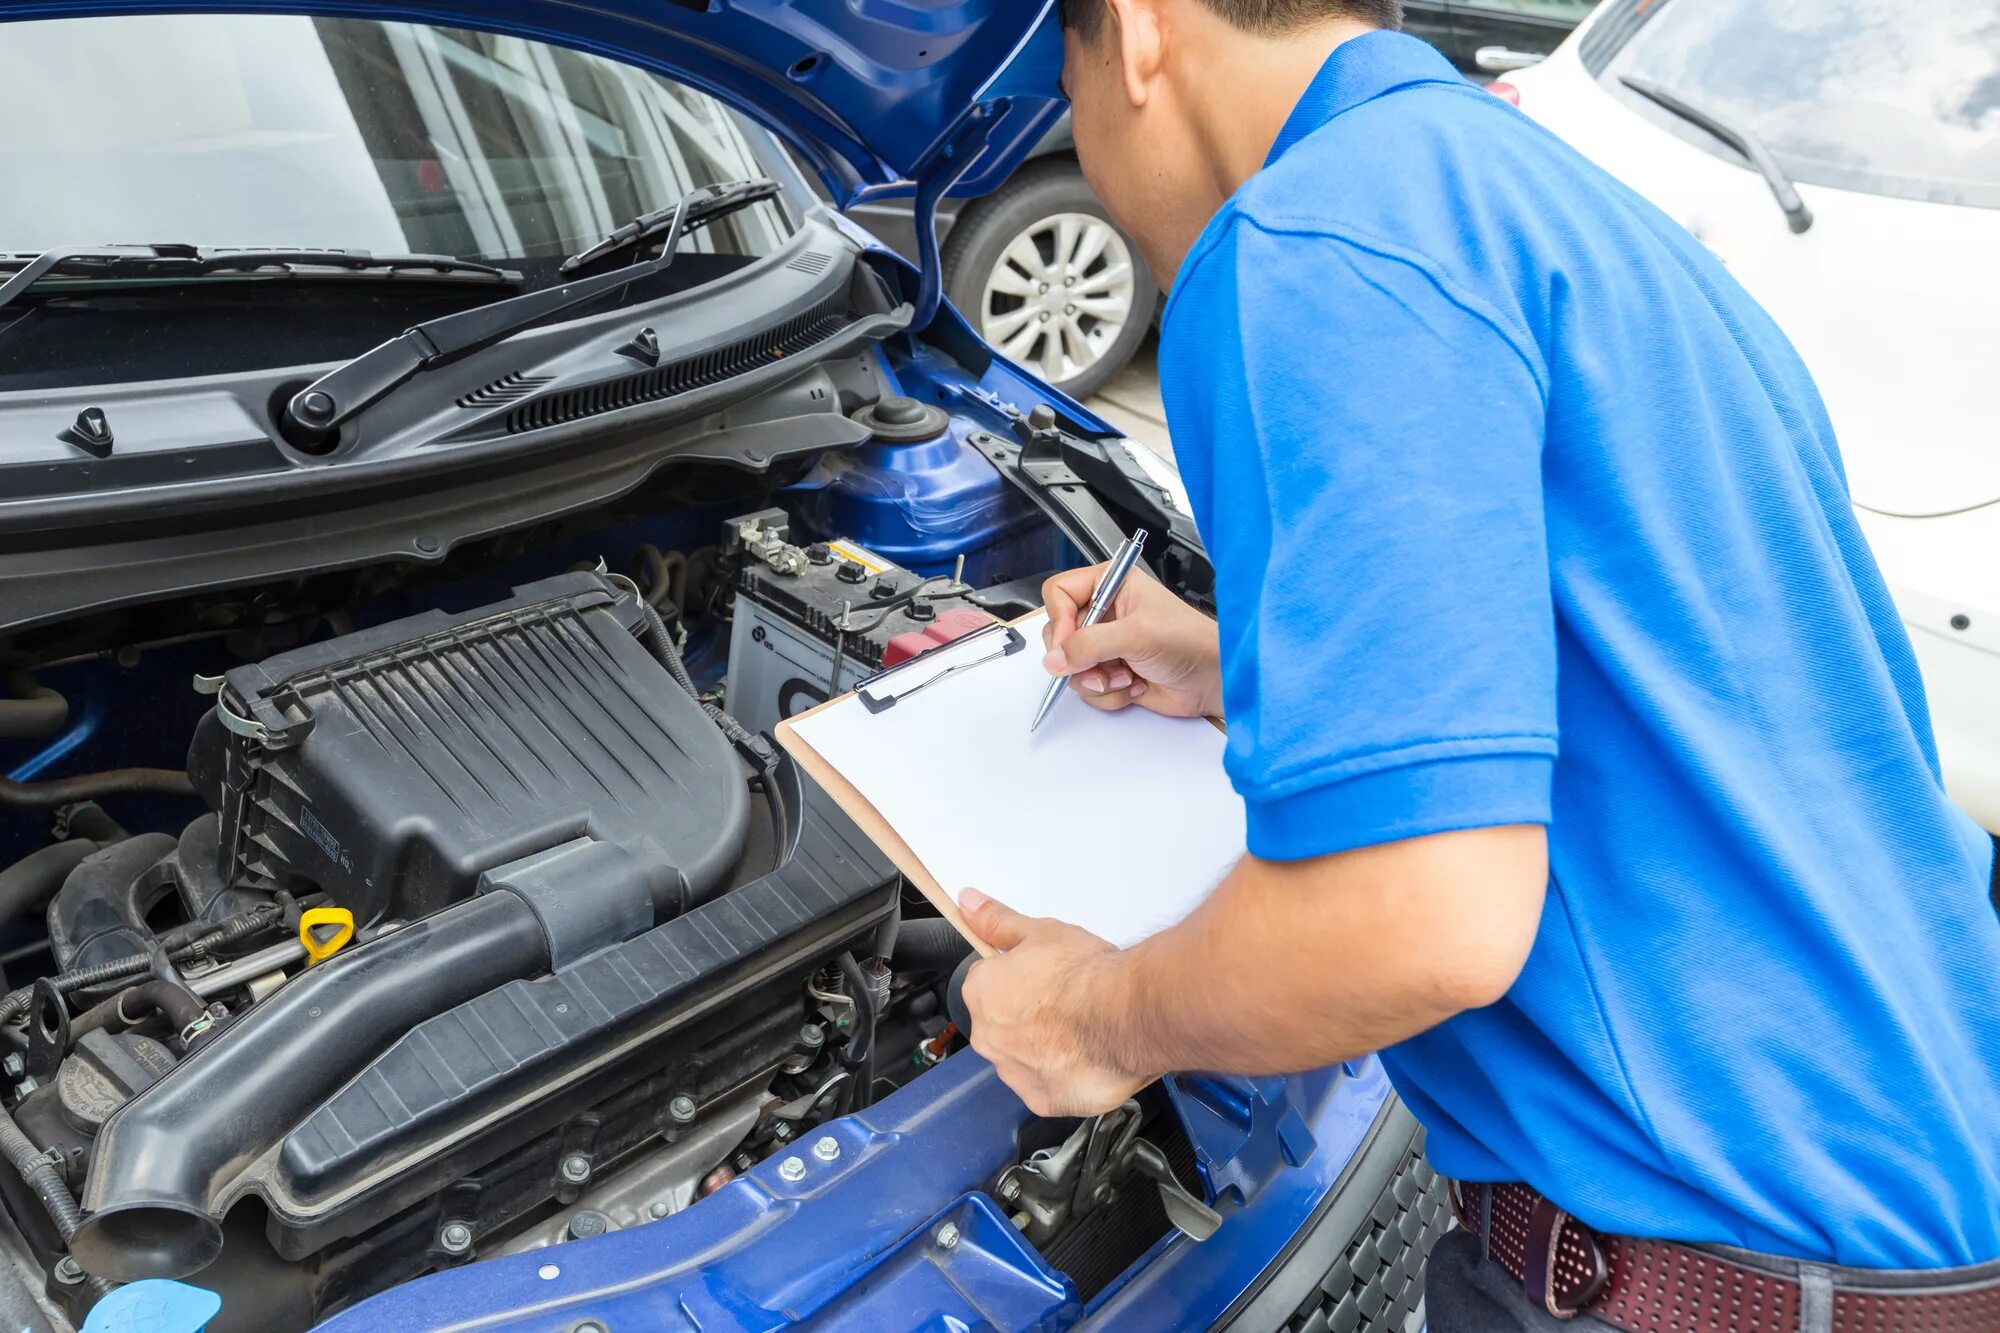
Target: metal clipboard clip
[883,690]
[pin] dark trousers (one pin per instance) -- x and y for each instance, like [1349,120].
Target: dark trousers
[1465,1293]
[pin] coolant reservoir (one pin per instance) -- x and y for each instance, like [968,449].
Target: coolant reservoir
[921,496]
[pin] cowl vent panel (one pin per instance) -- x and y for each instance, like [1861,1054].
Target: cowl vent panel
[795,335]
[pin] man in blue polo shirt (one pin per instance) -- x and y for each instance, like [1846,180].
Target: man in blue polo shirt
[1587,769]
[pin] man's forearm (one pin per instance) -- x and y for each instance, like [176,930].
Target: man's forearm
[1262,977]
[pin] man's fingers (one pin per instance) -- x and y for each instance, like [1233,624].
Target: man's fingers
[1095,645]
[1065,595]
[999,925]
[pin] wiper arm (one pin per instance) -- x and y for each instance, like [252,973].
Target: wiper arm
[316,413]
[703,206]
[1738,137]
[191,261]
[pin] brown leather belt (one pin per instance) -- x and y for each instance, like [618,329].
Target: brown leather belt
[1657,1286]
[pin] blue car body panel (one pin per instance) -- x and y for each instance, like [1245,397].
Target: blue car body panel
[855,1242]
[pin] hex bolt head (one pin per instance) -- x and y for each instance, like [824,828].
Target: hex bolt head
[1010,1188]
[576,1168]
[14,1065]
[659,1208]
[681,1110]
[826,1148]
[947,1236]
[455,1238]
[792,1169]
[810,1035]
[68,1270]
[782,1131]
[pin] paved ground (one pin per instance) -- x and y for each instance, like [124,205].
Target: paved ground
[1131,401]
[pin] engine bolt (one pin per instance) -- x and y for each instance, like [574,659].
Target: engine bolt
[947,1236]
[14,1065]
[792,1169]
[1010,1189]
[455,1238]
[68,1270]
[826,1148]
[659,1209]
[681,1109]
[810,1035]
[576,1168]
[782,1131]
[588,1223]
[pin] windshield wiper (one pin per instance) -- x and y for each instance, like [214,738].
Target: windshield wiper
[316,413]
[174,261]
[1743,140]
[702,206]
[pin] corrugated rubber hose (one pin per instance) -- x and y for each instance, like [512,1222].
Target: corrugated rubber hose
[41,1176]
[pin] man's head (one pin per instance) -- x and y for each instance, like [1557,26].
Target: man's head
[1175,102]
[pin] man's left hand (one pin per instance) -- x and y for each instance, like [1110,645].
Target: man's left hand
[1034,1011]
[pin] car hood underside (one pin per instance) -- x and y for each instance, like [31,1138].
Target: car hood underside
[870,92]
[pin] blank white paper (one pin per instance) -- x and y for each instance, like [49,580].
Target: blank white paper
[1117,822]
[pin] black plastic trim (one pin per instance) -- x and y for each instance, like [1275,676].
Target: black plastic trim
[1316,1247]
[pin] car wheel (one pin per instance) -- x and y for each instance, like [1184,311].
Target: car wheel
[1044,276]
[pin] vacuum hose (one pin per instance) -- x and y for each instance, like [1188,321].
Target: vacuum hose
[91,786]
[163,1158]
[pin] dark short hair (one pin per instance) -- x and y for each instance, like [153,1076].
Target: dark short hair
[1259,16]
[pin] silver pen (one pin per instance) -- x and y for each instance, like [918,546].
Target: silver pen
[1122,561]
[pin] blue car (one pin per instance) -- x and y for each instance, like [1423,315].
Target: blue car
[437,444]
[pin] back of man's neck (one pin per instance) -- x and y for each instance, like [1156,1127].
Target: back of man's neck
[1245,87]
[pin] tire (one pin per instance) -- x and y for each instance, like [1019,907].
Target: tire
[1006,246]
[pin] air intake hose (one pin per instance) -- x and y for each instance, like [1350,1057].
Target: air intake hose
[162,1161]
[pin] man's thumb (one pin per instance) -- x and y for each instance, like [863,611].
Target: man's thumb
[999,925]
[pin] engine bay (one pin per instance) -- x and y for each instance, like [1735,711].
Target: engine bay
[482,915]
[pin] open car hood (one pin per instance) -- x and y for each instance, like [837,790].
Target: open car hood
[870,93]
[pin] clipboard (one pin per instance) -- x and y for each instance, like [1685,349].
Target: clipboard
[881,691]
[877,694]
[995,804]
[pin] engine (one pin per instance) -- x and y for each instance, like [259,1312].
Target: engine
[495,934]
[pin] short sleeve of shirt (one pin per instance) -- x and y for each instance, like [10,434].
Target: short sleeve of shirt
[1364,451]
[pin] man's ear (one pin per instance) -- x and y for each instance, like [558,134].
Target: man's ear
[1139,44]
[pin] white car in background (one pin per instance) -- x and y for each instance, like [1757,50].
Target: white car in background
[1843,158]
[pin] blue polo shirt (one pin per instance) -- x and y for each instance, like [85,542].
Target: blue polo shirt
[1522,511]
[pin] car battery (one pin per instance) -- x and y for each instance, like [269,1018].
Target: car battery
[814,621]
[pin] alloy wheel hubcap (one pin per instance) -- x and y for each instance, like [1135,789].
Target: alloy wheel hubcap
[1060,295]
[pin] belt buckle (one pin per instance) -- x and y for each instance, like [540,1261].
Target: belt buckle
[1564,1269]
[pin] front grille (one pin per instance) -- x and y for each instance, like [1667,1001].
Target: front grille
[1377,1285]
[713,367]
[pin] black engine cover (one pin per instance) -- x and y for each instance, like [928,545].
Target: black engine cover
[391,767]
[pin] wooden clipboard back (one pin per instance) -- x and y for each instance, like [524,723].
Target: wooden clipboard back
[870,821]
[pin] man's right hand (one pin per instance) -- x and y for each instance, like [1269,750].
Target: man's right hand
[1154,650]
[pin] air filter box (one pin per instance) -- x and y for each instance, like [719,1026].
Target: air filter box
[389,768]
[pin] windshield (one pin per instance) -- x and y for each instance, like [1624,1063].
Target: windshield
[259,130]
[1897,97]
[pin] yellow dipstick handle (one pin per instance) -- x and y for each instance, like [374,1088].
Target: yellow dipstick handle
[318,946]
